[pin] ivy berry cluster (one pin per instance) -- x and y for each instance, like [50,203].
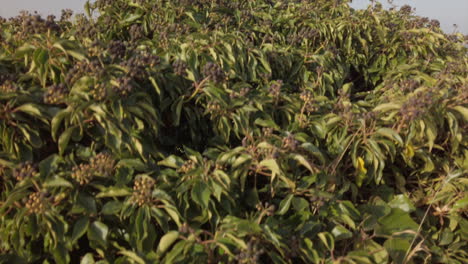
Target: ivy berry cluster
[142,191]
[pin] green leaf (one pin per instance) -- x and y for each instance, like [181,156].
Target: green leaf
[70,48]
[172,161]
[431,133]
[285,204]
[462,110]
[241,160]
[98,232]
[166,241]
[272,165]
[461,204]
[201,194]
[379,254]
[175,252]
[114,191]
[314,151]
[6,163]
[57,181]
[266,123]
[303,162]
[79,228]
[64,139]
[111,208]
[387,107]
[25,49]
[173,213]
[274,238]
[133,256]
[446,237]
[77,54]
[86,202]
[327,240]
[348,208]
[130,18]
[132,163]
[402,202]
[340,232]
[397,221]
[31,135]
[88,259]
[57,120]
[60,254]
[31,109]
[176,109]
[41,56]
[300,204]
[265,64]
[390,133]
[49,165]
[12,197]
[397,248]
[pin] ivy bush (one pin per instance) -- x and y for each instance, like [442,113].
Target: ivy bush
[231,131]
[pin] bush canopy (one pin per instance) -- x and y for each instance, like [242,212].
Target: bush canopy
[229,131]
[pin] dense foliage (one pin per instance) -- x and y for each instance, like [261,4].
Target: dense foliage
[232,132]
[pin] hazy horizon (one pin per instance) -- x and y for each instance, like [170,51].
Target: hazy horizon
[448,12]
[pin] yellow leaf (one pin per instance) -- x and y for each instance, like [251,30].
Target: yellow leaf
[409,151]
[361,166]
[361,172]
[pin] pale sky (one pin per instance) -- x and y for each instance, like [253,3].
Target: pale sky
[448,12]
